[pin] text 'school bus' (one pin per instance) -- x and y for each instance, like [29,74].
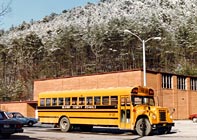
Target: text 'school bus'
[130,108]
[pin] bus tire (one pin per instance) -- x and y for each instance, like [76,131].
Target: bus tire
[65,124]
[143,127]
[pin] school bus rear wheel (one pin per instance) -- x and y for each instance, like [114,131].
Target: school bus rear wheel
[65,124]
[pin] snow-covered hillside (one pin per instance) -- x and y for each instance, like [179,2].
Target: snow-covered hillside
[170,14]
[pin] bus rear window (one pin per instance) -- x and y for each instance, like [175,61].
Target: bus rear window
[42,102]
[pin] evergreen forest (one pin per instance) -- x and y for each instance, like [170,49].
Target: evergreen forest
[96,49]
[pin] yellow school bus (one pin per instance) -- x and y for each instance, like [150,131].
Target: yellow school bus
[131,108]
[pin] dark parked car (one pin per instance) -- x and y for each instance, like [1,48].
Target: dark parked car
[193,117]
[9,126]
[24,120]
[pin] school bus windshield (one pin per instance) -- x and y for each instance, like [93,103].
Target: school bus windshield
[140,100]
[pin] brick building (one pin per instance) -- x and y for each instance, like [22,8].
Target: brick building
[27,108]
[172,91]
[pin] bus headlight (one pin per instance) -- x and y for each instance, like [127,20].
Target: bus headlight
[154,116]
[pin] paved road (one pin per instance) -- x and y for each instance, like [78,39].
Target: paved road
[183,130]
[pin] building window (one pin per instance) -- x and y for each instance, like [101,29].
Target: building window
[193,83]
[181,82]
[166,81]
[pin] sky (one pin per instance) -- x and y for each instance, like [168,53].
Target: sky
[26,10]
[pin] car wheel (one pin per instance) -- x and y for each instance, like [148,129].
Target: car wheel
[143,127]
[30,123]
[194,120]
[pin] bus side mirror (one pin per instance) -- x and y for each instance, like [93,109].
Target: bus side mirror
[172,112]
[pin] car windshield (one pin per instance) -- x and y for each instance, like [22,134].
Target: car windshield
[143,100]
[3,116]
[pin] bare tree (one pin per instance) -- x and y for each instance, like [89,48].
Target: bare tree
[5,8]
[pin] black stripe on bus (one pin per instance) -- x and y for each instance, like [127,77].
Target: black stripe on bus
[48,117]
[94,117]
[50,107]
[66,111]
[79,107]
[80,117]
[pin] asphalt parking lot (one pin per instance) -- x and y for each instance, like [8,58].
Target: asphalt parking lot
[183,130]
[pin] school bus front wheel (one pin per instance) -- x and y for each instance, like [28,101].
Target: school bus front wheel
[143,127]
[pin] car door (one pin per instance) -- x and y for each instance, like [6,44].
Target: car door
[19,117]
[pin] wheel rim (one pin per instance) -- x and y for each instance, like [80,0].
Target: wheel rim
[30,123]
[64,124]
[143,126]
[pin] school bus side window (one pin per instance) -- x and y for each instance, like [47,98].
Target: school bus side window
[61,101]
[48,101]
[97,100]
[42,102]
[114,100]
[54,101]
[67,101]
[89,101]
[74,100]
[81,101]
[105,100]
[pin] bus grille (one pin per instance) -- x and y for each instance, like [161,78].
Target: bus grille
[162,115]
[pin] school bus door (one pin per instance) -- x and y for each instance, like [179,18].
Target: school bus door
[125,112]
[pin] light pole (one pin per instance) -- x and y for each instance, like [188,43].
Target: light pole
[143,47]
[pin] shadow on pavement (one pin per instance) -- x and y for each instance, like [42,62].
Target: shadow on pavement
[19,137]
